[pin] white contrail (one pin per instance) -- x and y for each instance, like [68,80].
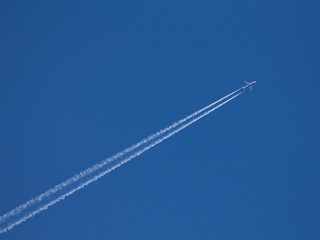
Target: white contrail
[59,192]
[104,162]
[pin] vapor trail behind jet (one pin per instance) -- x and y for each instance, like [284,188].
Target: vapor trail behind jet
[59,192]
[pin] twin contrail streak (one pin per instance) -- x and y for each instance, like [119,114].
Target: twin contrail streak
[79,181]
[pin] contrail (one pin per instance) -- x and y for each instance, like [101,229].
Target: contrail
[59,192]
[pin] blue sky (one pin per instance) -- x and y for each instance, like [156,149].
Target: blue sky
[82,80]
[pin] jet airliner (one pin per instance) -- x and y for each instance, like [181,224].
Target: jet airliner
[248,85]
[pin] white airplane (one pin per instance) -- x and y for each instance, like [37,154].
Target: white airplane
[248,85]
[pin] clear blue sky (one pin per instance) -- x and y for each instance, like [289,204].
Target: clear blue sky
[81,80]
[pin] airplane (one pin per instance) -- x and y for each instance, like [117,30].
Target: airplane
[249,85]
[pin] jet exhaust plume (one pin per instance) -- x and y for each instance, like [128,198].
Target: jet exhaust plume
[79,181]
